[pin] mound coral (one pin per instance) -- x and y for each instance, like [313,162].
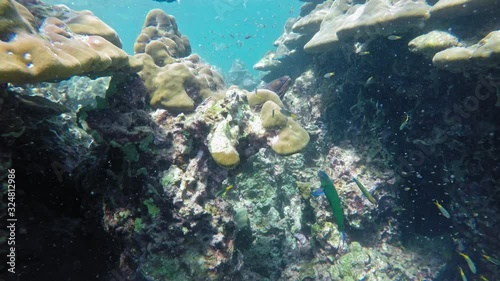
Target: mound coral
[78,43]
[174,81]
[291,138]
[161,29]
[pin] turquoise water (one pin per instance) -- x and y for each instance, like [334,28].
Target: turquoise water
[216,29]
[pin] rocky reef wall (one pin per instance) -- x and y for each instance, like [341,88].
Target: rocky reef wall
[164,172]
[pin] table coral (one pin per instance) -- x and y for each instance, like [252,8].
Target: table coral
[431,43]
[483,55]
[54,51]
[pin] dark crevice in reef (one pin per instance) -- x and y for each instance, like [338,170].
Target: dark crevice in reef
[58,238]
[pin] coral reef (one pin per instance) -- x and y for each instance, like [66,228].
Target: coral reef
[483,55]
[174,177]
[430,43]
[160,37]
[175,80]
[77,43]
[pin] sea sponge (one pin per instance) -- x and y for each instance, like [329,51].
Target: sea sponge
[161,28]
[55,52]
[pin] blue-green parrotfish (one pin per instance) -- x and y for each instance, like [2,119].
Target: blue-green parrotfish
[329,190]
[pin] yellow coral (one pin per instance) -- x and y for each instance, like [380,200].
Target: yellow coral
[271,116]
[291,139]
[260,96]
[168,86]
[56,53]
[85,23]
[221,146]
[162,28]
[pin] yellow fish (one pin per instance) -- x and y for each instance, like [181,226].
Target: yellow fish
[470,263]
[224,191]
[403,125]
[394,37]
[329,74]
[364,53]
[462,274]
[444,212]
[491,259]
[288,113]
[369,81]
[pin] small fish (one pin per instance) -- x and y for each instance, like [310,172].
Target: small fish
[470,263]
[248,36]
[279,58]
[369,81]
[394,37]
[224,191]
[493,260]
[329,74]
[405,123]
[318,192]
[483,278]
[444,212]
[288,113]
[364,53]
[273,113]
[462,274]
[365,192]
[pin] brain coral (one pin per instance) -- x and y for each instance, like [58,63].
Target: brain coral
[54,51]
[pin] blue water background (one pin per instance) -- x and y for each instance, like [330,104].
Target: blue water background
[210,25]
